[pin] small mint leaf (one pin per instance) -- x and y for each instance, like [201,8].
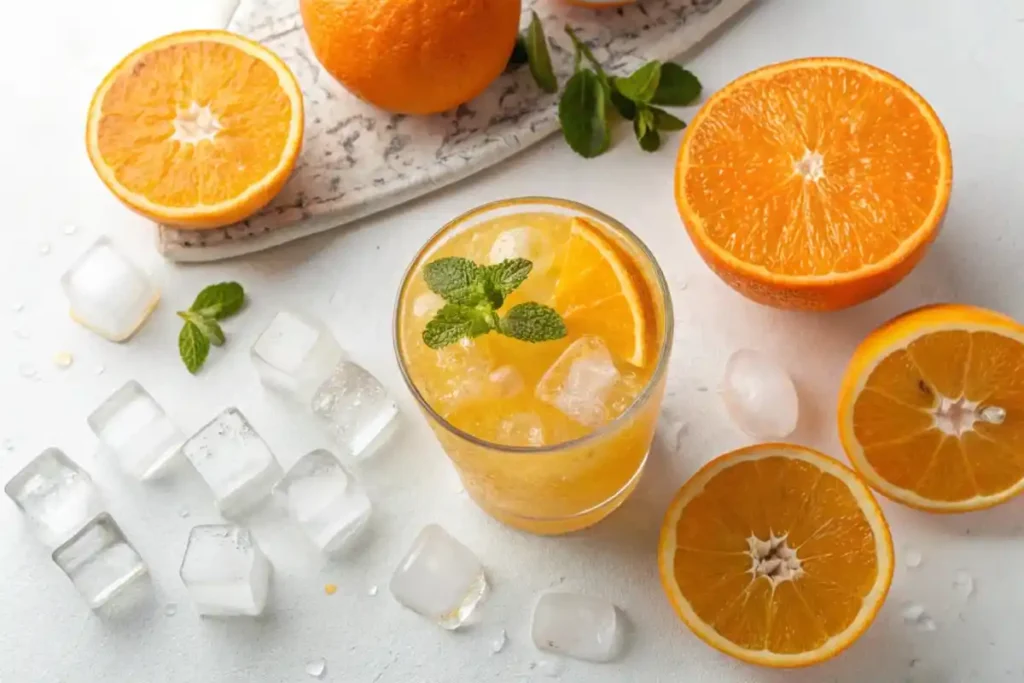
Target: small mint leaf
[455,279]
[219,301]
[539,57]
[677,87]
[193,347]
[582,111]
[508,275]
[665,121]
[641,85]
[454,322]
[208,326]
[646,130]
[532,322]
[625,106]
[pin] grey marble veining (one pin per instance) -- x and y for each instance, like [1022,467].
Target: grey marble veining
[357,159]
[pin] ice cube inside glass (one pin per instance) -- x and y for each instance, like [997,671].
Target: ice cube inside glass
[225,572]
[295,354]
[108,293]
[235,462]
[583,382]
[325,500]
[440,578]
[57,496]
[100,561]
[578,626]
[357,409]
[137,431]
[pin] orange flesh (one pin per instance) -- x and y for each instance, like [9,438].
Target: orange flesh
[138,111]
[893,422]
[746,166]
[822,521]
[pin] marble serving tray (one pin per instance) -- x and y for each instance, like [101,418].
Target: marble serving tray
[357,160]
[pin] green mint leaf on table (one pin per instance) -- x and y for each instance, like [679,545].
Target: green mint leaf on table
[454,322]
[641,85]
[625,106]
[193,346]
[219,301]
[508,275]
[583,114]
[665,121]
[677,87]
[208,326]
[519,55]
[532,322]
[536,45]
[646,130]
[455,280]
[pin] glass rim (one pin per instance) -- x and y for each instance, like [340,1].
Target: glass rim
[605,429]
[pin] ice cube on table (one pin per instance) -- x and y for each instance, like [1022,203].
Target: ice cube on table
[578,626]
[523,242]
[100,561]
[133,426]
[295,354]
[582,382]
[440,578]
[759,395]
[56,495]
[325,499]
[235,462]
[357,409]
[225,571]
[108,293]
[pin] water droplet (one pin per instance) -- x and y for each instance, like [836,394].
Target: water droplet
[913,559]
[18,307]
[170,609]
[63,359]
[926,624]
[100,369]
[316,668]
[27,370]
[550,668]
[913,612]
[964,583]
[8,444]
[371,591]
[499,643]
[183,513]
[70,229]
[44,248]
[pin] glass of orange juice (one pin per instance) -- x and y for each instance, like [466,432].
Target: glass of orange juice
[535,335]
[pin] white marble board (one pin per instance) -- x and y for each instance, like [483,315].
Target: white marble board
[357,160]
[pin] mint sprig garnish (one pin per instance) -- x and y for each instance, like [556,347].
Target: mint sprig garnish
[201,328]
[591,95]
[473,295]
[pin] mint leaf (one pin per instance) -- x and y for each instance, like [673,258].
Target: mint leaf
[193,347]
[508,275]
[539,58]
[453,322]
[518,56]
[646,130]
[532,322]
[677,87]
[455,279]
[208,326]
[641,85]
[219,301]
[625,106]
[582,113]
[665,121]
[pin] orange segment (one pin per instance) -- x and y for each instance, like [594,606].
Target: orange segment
[198,129]
[813,184]
[931,409]
[776,554]
[600,292]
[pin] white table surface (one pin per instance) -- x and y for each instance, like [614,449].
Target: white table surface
[964,56]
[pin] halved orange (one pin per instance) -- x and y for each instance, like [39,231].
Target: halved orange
[931,409]
[814,184]
[601,292]
[776,554]
[197,129]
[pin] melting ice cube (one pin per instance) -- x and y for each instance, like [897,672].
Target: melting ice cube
[521,429]
[295,354]
[581,382]
[576,625]
[325,499]
[357,409]
[440,578]
[100,561]
[523,242]
[108,293]
[225,571]
[759,395]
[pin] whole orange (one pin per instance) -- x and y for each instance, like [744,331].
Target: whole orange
[412,56]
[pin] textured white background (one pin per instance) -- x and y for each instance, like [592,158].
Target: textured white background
[963,56]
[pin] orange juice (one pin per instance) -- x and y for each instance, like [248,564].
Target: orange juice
[548,436]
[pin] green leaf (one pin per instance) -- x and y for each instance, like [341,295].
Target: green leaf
[539,57]
[454,322]
[508,275]
[518,56]
[583,114]
[193,347]
[208,326]
[665,121]
[641,85]
[677,87]
[532,322]
[219,301]
[455,279]
[625,106]
[646,130]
